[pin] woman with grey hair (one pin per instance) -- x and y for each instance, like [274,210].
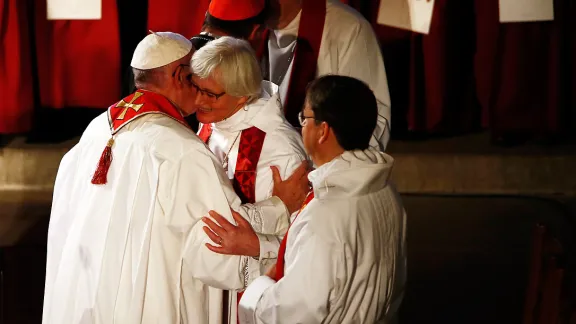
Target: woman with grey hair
[243,125]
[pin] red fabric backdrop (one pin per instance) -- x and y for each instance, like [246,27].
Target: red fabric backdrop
[180,16]
[469,72]
[472,71]
[16,82]
[78,60]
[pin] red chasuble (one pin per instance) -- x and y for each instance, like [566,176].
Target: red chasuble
[79,60]
[280,263]
[16,83]
[136,105]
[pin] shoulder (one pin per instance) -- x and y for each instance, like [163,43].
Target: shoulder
[343,21]
[169,138]
[283,140]
[324,219]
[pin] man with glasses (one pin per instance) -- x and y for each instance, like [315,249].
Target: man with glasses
[244,127]
[343,259]
[125,244]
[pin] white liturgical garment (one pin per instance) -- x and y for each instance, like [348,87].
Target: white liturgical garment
[345,253]
[349,47]
[133,250]
[282,148]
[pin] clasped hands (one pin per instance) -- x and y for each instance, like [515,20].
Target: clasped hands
[241,239]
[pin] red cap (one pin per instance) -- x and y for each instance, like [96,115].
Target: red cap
[235,9]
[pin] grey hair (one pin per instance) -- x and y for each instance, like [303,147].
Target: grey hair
[143,78]
[232,63]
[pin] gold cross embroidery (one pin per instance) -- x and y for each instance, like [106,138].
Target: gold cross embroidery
[130,105]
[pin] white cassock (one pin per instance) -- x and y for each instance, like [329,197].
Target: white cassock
[282,148]
[133,250]
[349,47]
[345,253]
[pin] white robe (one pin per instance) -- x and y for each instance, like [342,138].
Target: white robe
[282,148]
[133,250]
[345,254]
[349,47]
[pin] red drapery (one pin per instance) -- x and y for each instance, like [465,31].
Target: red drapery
[523,71]
[78,60]
[16,81]
[472,71]
[180,16]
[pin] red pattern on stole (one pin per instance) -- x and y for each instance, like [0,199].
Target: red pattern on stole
[282,250]
[249,150]
[146,102]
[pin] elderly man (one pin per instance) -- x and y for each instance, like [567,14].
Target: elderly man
[244,127]
[246,21]
[124,243]
[344,258]
[309,39]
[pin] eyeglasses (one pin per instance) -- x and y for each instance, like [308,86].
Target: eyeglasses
[302,118]
[210,95]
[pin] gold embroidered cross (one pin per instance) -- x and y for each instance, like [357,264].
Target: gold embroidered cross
[129,105]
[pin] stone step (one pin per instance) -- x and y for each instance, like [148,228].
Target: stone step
[463,165]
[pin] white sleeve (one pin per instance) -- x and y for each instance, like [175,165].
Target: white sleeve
[362,59]
[194,185]
[306,291]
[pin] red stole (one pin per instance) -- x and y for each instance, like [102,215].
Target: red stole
[310,32]
[136,105]
[282,250]
[249,150]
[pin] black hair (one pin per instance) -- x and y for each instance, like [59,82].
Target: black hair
[200,40]
[348,106]
[236,28]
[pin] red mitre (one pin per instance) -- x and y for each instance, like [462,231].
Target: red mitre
[235,9]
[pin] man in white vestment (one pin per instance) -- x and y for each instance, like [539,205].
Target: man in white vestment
[343,259]
[125,244]
[247,133]
[348,46]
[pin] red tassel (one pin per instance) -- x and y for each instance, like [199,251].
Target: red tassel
[101,173]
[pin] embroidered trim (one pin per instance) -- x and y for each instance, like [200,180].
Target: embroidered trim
[245,270]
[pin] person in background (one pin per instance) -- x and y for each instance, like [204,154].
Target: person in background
[304,40]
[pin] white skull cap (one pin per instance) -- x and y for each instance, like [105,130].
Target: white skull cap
[160,48]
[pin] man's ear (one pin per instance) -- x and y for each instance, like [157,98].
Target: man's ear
[324,132]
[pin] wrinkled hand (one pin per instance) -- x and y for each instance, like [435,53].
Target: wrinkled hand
[293,190]
[232,239]
[272,272]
